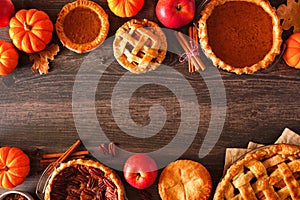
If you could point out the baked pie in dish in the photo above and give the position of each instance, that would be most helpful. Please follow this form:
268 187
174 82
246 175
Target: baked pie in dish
84 179
140 46
184 180
240 36
82 25
271 172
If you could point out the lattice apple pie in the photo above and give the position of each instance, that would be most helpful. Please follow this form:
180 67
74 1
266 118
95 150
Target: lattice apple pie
272 172
140 46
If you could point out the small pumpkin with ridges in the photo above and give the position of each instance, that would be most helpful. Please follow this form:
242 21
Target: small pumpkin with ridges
125 8
14 167
9 57
292 54
30 30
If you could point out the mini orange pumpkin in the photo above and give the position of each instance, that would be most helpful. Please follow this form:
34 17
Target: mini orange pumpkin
125 8
30 30
9 57
14 167
292 53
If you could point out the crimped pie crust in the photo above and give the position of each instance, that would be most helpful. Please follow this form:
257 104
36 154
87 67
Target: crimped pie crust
140 46
269 57
271 172
88 46
184 180
89 163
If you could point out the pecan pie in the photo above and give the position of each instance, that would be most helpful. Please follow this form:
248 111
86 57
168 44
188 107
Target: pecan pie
240 36
140 46
82 25
185 180
272 172
84 179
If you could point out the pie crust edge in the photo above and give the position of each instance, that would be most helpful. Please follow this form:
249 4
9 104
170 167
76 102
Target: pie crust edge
107 171
269 57
81 48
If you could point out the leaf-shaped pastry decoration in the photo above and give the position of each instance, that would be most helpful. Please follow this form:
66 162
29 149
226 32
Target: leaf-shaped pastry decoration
290 13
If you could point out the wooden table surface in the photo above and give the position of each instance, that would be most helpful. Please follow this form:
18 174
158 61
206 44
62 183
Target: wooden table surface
37 114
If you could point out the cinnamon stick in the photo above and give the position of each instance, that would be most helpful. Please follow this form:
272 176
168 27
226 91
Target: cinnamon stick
195 60
48 161
57 155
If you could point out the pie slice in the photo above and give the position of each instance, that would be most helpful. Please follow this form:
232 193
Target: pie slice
184 180
140 46
82 25
240 36
84 179
269 173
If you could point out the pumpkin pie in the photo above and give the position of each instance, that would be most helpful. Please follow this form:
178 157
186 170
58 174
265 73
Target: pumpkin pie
269 173
82 25
84 179
240 36
140 46
185 180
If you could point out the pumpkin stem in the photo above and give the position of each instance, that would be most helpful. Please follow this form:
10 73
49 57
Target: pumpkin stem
27 27
4 168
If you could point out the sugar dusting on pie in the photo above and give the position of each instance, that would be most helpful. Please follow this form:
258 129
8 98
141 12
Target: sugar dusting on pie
84 179
240 36
185 180
270 173
82 25
140 46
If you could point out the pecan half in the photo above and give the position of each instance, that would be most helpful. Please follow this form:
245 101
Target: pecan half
97 173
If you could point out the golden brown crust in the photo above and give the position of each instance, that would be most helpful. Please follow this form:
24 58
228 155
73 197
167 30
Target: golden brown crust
184 180
275 157
146 57
76 47
90 163
268 59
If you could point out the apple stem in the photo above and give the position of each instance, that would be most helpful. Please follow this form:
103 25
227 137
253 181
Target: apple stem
138 176
178 7
27 27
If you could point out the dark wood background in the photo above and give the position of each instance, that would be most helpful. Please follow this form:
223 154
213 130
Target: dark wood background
36 110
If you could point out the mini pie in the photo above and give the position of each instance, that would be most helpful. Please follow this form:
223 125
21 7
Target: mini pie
82 25
84 179
270 173
240 36
184 180
140 46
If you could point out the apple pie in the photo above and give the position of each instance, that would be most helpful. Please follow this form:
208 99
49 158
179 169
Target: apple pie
84 179
140 46
240 36
270 173
184 180
82 25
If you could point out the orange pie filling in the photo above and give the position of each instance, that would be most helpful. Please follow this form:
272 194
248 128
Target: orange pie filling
82 25
240 36
233 42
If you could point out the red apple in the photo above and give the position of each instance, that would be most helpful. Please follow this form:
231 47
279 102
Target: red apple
140 171
7 10
175 13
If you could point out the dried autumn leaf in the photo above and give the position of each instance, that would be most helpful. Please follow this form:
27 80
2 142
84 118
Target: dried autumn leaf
290 13
40 59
